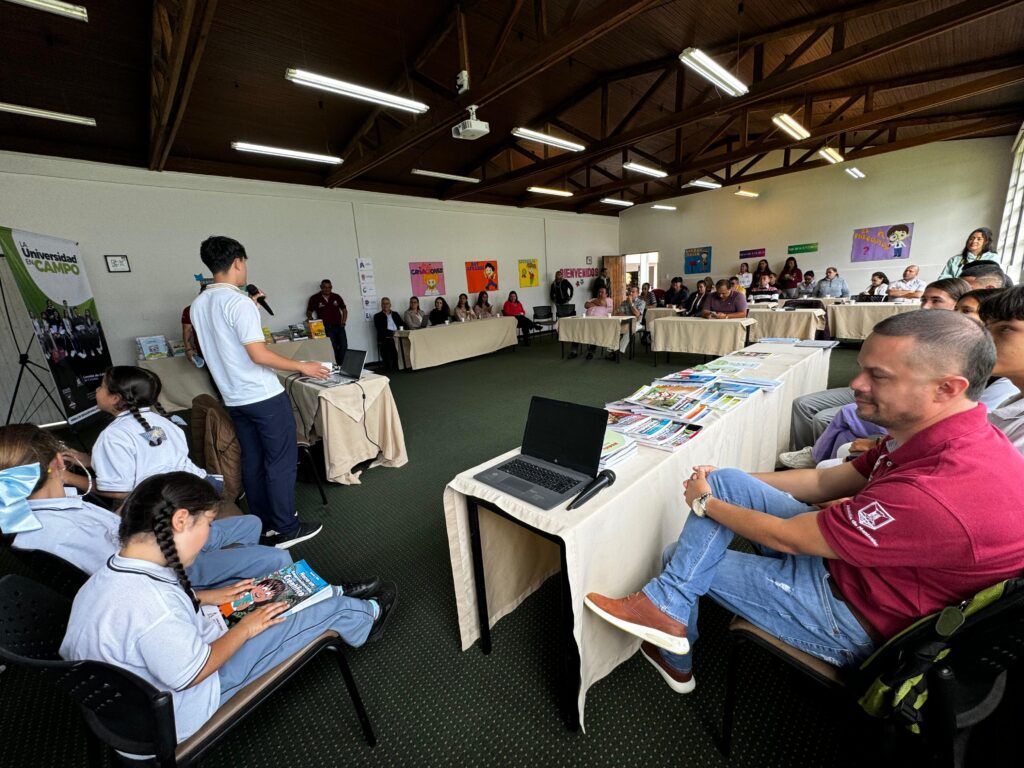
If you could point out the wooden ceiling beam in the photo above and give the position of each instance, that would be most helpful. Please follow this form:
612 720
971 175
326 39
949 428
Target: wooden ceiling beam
799 51
641 102
503 35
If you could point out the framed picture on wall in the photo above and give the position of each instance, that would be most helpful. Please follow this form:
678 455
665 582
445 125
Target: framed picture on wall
117 264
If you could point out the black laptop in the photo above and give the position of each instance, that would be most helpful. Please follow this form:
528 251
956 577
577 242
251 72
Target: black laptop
560 454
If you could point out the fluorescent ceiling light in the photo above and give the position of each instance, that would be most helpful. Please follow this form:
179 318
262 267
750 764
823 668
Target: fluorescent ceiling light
17 109
543 138
745 193
709 69
791 126
830 154
77 12
260 149
549 191
645 169
439 175
616 201
313 80
856 173
663 207
704 184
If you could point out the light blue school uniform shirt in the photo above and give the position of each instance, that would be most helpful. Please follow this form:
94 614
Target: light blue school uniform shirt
74 530
956 264
225 320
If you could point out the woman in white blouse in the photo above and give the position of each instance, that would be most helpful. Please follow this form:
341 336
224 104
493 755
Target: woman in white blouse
413 316
744 276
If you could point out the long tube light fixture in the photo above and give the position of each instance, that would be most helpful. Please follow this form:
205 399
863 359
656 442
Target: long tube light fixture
831 154
295 154
704 184
440 175
549 191
656 172
313 80
709 69
856 173
17 109
741 192
543 138
663 207
76 12
616 201
791 126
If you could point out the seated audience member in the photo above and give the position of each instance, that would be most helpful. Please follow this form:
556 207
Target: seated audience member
763 292
970 303
676 294
920 379
790 279
512 308
599 306
631 306
744 277
649 296
386 323
463 311
413 316
978 247
832 286
725 303
910 287
879 286
985 274
162 636
1002 312
695 303
763 269
944 294
807 286
440 314
734 284
483 309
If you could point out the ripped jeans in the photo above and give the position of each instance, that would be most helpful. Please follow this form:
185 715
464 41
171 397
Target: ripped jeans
785 595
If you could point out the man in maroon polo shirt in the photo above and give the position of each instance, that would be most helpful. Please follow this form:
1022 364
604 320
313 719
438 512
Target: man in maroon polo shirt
724 303
923 521
330 308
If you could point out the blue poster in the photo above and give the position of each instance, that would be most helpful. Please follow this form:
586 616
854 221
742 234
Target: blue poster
697 261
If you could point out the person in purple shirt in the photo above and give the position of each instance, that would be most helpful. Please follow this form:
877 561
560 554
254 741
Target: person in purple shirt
725 303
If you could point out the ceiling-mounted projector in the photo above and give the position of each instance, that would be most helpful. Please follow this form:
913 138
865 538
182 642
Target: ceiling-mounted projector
472 128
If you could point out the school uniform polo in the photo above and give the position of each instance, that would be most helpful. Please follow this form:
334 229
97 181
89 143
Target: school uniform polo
74 530
123 457
156 634
1008 418
940 518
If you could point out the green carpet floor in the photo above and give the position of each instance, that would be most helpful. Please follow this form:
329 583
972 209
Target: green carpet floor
433 704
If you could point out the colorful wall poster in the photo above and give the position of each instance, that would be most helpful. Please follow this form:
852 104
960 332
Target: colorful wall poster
529 273
51 278
801 248
427 278
882 243
481 276
697 261
753 253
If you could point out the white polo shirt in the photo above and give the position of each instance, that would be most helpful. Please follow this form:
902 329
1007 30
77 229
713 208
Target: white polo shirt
225 320
156 634
915 285
1008 418
122 456
74 530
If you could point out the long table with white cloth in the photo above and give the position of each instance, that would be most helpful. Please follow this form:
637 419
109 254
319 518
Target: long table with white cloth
603 332
855 321
612 544
440 344
786 324
698 335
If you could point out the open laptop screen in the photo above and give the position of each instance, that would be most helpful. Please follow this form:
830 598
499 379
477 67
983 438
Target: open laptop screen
566 434
352 364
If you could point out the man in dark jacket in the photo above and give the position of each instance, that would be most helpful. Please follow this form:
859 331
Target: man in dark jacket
387 322
676 294
600 282
561 290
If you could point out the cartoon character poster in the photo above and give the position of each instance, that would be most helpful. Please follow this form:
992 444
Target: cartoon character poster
529 273
481 276
882 243
697 261
427 278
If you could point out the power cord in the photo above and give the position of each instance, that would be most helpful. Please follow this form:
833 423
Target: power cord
365 428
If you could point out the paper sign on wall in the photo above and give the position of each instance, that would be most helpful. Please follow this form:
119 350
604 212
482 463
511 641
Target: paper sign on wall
427 278
882 243
529 273
753 253
367 287
579 275
481 276
802 248
697 261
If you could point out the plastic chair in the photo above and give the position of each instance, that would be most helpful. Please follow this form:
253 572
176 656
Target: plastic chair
125 712
565 310
542 316
56 572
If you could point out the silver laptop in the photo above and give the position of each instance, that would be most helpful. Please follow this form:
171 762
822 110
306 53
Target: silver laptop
560 454
351 370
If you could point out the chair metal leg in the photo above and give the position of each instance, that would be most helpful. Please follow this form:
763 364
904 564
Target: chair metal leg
357 701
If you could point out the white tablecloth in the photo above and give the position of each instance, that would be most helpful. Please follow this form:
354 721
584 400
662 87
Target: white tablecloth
779 324
600 331
855 321
440 344
613 543
699 336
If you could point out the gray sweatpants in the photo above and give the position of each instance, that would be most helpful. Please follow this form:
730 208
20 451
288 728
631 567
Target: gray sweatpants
813 413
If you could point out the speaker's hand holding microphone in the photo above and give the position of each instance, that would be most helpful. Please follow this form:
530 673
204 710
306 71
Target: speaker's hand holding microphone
259 297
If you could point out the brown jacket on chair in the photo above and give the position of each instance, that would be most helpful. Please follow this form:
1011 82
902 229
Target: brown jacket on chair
215 443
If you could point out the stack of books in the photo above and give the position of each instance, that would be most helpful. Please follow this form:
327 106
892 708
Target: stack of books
617 448
664 433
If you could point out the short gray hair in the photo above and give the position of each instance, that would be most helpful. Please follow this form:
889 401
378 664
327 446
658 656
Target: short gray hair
946 341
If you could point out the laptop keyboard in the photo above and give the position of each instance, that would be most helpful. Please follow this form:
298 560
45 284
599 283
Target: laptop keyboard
545 478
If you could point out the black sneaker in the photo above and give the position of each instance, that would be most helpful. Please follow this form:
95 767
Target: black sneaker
386 597
361 589
302 533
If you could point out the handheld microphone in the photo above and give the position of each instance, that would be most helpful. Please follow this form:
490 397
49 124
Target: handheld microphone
262 301
604 479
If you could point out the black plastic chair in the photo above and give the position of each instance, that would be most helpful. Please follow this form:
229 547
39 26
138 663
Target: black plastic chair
125 712
565 310
55 572
543 316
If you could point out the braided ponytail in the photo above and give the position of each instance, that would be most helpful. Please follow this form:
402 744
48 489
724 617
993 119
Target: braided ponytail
137 388
165 539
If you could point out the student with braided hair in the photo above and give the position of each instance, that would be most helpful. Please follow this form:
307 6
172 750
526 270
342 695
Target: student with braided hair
170 634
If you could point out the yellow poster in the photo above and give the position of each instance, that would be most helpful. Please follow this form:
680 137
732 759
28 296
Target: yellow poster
529 274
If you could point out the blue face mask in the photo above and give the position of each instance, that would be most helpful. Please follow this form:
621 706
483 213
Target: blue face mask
16 483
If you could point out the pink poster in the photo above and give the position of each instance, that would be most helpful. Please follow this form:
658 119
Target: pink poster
427 278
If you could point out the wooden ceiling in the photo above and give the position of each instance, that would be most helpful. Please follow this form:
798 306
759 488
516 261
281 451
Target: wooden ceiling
173 83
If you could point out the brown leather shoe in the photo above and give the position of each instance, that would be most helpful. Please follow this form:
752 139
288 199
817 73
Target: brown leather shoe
637 615
680 682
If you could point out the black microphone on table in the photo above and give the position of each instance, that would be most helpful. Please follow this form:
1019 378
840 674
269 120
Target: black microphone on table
253 291
604 479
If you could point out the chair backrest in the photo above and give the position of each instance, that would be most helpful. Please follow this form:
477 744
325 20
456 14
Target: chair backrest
123 710
55 572
566 310
542 312
659 292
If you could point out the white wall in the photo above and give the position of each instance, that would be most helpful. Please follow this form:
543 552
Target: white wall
946 190
294 235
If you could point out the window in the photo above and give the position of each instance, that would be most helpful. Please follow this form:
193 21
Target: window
1011 229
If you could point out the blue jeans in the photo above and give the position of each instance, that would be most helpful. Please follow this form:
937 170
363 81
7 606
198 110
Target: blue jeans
270 455
785 595
232 553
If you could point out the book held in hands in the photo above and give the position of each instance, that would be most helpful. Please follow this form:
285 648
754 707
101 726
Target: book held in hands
298 585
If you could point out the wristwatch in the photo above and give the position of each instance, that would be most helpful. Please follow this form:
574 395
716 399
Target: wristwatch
700 504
